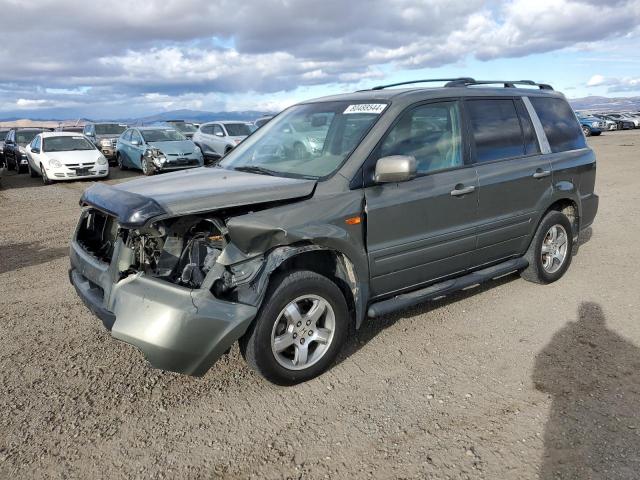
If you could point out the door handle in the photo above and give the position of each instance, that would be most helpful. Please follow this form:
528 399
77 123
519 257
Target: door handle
457 192
541 173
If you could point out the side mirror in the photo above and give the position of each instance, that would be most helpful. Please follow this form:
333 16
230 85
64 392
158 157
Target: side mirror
395 168
35 150
219 134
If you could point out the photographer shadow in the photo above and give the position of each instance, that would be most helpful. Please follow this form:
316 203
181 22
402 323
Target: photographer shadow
592 375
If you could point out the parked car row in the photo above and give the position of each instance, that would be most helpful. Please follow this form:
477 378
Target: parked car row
608 121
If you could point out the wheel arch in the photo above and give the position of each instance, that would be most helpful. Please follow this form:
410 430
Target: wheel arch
326 261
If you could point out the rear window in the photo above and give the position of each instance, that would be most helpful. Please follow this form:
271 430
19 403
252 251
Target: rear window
237 129
496 129
559 122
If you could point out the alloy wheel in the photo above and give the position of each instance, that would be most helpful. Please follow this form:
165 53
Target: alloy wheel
303 332
554 249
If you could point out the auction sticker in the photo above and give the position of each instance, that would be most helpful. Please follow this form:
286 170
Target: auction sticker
376 108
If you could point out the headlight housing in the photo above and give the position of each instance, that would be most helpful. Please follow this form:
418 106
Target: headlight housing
244 272
105 142
156 156
22 149
53 163
102 160
594 124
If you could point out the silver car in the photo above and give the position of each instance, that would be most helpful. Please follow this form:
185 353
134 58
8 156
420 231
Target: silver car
216 139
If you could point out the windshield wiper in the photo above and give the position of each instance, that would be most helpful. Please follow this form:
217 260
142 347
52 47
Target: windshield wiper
256 169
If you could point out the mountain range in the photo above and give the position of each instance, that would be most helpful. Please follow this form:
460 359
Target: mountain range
199 116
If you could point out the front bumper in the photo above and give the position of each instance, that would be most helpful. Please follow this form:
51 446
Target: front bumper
108 151
65 173
176 328
179 165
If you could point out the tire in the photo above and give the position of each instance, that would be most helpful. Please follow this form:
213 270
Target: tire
146 168
306 290
32 172
586 130
546 268
45 177
120 162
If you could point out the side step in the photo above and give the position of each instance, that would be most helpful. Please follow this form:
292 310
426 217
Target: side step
438 290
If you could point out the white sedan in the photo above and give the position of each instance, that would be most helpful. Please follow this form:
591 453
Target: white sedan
65 156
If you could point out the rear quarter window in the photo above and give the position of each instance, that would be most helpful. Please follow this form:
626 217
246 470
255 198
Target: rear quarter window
559 123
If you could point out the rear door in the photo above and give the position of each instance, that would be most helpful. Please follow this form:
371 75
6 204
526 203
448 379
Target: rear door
514 177
421 230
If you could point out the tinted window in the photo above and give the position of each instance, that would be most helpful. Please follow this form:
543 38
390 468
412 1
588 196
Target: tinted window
559 123
496 129
530 140
24 137
164 135
237 129
431 134
110 129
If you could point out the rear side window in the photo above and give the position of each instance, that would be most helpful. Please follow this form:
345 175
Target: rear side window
496 129
559 123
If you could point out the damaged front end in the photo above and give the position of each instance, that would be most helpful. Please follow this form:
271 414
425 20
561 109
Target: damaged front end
162 287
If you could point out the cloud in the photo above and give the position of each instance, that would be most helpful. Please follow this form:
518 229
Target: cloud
613 84
121 52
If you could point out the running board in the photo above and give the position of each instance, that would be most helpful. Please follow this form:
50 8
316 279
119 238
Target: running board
442 289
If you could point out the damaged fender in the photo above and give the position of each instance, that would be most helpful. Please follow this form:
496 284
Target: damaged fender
280 234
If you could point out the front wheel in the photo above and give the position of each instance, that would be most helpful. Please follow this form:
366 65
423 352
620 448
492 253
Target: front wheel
586 130
549 254
120 162
45 177
302 325
147 169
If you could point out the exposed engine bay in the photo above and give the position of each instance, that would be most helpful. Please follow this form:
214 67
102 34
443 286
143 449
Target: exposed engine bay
181 251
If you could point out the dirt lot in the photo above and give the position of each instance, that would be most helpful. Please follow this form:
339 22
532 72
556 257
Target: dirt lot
511 380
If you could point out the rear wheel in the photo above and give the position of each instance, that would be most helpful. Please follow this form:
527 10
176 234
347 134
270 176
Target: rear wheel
302 325
549 254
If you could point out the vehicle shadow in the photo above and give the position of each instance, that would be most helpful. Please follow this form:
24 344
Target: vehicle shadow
592 375
21 255
372 327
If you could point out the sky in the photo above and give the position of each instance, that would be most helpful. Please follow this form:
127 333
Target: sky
126 59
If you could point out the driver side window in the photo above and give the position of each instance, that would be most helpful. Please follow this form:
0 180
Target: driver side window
431 134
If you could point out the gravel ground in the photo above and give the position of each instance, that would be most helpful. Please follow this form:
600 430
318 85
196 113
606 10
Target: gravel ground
510 380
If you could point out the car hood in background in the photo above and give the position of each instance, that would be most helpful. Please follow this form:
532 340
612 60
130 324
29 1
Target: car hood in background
196 190
75 156
181 147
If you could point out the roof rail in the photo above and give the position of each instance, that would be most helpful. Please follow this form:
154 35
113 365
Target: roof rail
465 82
427 80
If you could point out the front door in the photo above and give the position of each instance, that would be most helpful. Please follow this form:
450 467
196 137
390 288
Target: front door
423 229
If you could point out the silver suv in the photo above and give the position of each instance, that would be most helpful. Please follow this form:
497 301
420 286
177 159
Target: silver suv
216 139
409 195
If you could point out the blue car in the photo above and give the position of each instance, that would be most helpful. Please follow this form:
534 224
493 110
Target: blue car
590 125
156 149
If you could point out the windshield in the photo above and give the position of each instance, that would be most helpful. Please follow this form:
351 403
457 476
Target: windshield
110 129
310 141
3 134
237 129
162 135
66 144
24 137
184 127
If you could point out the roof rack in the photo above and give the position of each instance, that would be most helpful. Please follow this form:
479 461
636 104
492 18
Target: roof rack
465 82
450 80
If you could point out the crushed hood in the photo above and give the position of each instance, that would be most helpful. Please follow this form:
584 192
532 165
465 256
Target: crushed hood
190 191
